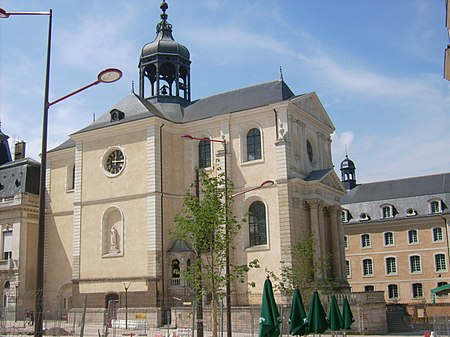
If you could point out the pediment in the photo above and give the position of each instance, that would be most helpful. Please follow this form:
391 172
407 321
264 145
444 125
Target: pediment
325 177
332 180
311 105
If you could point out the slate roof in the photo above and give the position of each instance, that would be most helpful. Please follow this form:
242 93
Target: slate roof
135 107
66 145
19 176
180 246
238 100
401 188
317 174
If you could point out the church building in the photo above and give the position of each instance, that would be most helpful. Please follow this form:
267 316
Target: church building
115 186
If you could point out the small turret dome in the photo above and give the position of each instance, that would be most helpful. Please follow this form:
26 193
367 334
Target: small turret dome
348 175
347 163
165 44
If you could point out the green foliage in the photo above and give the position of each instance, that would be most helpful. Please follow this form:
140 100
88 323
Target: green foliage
300 274
208 225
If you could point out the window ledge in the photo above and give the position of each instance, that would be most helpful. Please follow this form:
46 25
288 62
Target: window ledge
257 248
252 162
109 256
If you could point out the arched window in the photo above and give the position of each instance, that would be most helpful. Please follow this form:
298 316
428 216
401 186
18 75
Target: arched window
437 234
440 263
72 185
175 268
253 144
417 290
309 151
391 266
112 304
413 236
415 264
365 241
435 206
389 239
257 224
387 211
367 267
188 265
204 153
392 291
369 288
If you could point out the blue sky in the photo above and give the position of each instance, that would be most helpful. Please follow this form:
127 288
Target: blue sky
377 67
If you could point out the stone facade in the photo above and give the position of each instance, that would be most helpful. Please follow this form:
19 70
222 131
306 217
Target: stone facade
396 236
115 186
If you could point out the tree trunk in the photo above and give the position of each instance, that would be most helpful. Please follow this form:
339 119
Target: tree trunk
214 316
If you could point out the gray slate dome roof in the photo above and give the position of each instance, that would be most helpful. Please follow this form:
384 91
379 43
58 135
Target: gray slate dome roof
164 42
347 163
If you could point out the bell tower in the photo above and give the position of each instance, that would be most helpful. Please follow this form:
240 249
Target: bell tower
348 175
164 66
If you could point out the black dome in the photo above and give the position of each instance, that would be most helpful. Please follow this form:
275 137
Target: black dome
165 44
347 163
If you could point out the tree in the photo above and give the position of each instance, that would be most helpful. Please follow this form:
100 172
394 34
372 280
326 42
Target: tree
300 273
207 223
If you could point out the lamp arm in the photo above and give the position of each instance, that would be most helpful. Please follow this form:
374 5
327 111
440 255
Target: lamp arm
49 104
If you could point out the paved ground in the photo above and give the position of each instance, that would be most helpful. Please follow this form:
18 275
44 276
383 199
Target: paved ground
97 331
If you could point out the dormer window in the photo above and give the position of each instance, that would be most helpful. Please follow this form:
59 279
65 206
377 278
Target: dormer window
345 216
411 212
364 217
435 206
116 115
387 211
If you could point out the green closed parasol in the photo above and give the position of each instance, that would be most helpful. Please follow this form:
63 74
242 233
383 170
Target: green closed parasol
298 322
269 320
335 321
317 318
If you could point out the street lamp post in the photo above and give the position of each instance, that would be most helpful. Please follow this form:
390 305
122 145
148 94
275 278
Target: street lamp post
126 303
17 300
265 183
106 76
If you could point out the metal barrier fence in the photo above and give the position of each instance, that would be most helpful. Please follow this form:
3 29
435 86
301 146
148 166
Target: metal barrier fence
441 326
172 319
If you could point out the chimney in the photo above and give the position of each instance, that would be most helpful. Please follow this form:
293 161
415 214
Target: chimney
19 150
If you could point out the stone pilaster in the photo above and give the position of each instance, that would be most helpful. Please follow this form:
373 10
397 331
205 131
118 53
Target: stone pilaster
286 227
76 239
154 225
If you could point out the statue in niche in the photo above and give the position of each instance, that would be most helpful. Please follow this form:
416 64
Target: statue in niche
114 241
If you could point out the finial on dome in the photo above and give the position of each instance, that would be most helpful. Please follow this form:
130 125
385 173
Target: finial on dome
164 25
164 6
